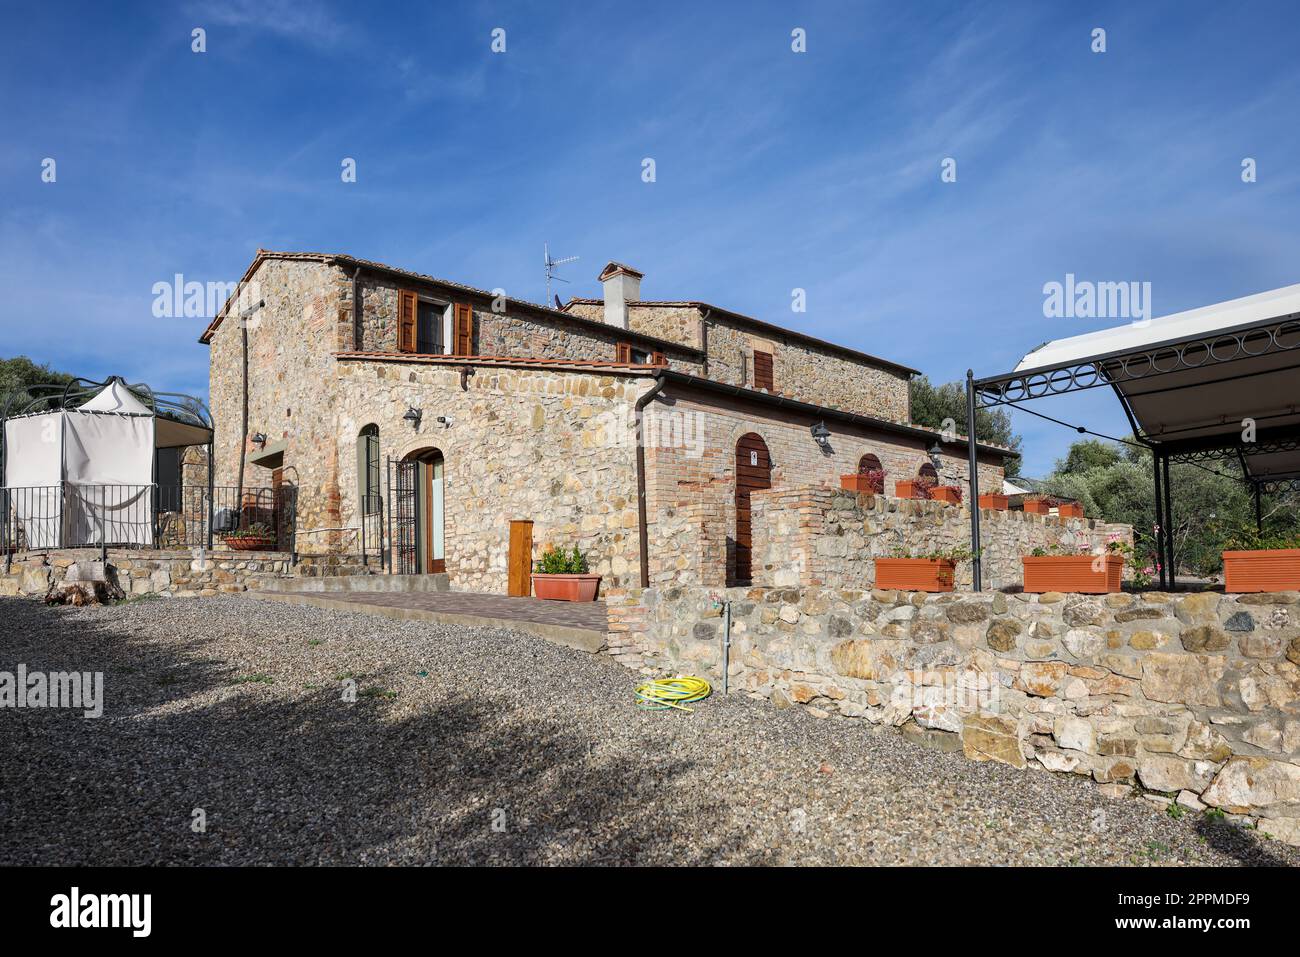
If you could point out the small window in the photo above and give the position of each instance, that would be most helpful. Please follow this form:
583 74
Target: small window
763 371
428 329
368 469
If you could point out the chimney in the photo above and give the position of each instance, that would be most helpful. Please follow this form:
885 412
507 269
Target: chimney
622 285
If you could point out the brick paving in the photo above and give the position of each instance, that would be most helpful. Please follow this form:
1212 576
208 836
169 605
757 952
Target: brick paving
569 614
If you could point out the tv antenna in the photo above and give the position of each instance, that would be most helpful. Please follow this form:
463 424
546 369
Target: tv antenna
550 269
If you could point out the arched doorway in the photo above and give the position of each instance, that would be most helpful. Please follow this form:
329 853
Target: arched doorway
869 463
928 471
753 473
423 547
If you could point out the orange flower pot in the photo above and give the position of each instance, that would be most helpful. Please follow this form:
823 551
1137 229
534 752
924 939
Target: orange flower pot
249 544
946 493
860 483
910 489
566 587
1070 510
1037 508
915 574
996 502
1268 569
1084 574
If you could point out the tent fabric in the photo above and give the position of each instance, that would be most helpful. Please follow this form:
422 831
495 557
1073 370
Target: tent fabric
85 475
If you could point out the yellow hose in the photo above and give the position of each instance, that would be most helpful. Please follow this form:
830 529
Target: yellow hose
671 693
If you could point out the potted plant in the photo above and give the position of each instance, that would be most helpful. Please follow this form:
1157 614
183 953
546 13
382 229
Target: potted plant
994 501
1253 562
1037 504
931 572
870 482
918 487
1053 569
1070 510
252 538
564 576
946 493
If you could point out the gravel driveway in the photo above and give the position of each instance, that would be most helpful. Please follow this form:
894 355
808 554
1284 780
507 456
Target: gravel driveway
489 746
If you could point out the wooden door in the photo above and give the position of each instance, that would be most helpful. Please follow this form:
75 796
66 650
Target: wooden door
753 472
521 559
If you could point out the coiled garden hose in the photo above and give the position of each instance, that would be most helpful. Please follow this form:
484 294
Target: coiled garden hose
668 693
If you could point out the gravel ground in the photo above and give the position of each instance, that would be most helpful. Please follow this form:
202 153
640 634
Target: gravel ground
489 746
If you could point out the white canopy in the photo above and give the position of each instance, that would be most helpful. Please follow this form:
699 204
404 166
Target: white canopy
1199 376
86 475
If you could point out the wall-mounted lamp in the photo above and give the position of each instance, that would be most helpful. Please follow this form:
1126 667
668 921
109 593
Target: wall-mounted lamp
413 415
935 453
821 434
259 438
444 421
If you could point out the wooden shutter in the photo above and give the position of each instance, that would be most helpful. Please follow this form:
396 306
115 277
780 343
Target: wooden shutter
463 330
657 358
408 305
623 353
763 371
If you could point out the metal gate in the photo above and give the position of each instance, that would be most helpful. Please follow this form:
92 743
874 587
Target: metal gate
403 515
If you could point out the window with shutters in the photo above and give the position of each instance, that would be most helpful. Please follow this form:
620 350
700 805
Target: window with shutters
763 371
626 352
368 469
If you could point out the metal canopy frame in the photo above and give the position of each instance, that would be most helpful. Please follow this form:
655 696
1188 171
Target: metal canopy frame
1219 350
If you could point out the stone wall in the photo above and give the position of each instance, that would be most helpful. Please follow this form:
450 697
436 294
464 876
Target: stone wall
180 573
521 443
1194 697
691 440
819 535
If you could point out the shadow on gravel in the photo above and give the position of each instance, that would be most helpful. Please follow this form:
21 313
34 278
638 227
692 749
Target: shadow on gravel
307 780
1237 843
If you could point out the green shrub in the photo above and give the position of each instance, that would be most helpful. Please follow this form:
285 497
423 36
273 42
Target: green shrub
556 561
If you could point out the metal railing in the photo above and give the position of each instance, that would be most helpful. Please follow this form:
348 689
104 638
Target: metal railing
73 515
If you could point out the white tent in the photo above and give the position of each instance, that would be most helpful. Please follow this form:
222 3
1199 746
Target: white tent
85 476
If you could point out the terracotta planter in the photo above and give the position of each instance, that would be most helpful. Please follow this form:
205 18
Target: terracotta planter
860 483
910 489
997 502
1070 510
946 493
1268 569
249 544
566 587
1083 574
1037 508
915 574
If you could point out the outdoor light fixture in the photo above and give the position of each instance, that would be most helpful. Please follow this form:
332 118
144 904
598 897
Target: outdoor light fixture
934 454
413 415
259 438
821 434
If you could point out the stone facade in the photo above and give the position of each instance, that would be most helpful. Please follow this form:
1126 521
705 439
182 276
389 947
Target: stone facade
817 535
1194 697
177 574
535 424
691 471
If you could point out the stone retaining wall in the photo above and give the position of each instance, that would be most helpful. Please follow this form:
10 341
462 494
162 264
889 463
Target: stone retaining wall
817 534
1194 697
182 574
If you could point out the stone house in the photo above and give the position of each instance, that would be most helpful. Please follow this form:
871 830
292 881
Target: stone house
433 415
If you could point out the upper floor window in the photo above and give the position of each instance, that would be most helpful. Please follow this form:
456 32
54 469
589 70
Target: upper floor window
428 328
626 352
763 378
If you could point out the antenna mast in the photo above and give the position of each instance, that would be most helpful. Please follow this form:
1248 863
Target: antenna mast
550 269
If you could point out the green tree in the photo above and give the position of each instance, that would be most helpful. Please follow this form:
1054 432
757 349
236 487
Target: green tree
1210 503
932 404
17 374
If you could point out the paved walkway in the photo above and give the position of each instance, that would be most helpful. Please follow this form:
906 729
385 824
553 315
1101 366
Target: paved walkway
578 624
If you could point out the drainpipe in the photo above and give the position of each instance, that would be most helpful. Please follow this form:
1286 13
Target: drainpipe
243 429
641 403
726 642
357 329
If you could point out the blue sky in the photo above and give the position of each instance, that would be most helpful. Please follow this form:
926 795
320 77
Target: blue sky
775 170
